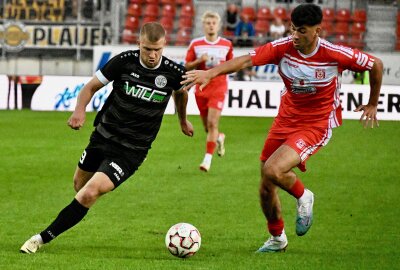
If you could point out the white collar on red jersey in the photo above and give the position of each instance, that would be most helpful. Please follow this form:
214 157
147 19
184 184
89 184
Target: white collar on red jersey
313 52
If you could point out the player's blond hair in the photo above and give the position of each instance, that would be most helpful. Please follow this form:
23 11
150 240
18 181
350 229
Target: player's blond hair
211 14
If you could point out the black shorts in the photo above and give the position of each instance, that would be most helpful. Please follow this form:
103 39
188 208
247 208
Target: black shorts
116 161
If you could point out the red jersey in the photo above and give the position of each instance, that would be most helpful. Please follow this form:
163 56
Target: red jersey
218 52
312 82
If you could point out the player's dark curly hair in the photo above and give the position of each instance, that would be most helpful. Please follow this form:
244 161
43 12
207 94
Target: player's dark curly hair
306 14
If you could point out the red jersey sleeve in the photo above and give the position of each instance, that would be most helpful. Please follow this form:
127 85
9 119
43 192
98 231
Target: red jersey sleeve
356 61
190 54
270 53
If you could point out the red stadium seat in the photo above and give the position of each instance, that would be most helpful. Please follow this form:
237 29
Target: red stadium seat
136 2
342 39
328 14
357 28
167 2
262 27
151 10
187 11
134 10
132 23
359 15
250 12
183 37
183 2
151 2
357 41
264 13
185 22
328 26
168 23
168 11
397 48
147 19
128 37
280 12
341 28
343 15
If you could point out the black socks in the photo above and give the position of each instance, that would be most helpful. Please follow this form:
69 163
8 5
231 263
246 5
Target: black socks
66 219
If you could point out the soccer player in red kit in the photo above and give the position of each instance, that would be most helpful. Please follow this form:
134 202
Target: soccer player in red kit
310 107
205 53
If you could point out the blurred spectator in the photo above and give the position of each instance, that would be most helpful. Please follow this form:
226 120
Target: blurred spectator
244 32
277 29
245 74
231 18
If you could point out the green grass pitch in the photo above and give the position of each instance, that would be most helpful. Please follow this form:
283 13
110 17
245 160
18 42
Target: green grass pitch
355 178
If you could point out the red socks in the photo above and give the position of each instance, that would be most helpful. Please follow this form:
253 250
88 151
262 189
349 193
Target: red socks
275 227
211 147
297 189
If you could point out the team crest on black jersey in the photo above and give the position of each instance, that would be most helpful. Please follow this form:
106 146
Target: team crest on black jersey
160 81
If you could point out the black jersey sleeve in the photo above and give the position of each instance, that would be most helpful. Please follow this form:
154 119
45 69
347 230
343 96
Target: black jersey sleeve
178 78
113 68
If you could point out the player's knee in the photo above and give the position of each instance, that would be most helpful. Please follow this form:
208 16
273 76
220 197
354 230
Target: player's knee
271 173
89 195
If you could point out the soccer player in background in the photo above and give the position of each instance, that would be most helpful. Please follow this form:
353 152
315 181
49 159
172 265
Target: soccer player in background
125 128
204 53
310 108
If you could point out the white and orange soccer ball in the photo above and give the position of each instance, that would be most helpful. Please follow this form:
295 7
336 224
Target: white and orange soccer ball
183 240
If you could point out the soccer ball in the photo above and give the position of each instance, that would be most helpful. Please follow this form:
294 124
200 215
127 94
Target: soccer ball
183 240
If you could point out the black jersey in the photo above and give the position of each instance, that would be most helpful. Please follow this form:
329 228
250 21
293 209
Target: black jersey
133 112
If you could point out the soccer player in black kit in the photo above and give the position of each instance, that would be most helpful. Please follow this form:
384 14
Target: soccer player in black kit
126 126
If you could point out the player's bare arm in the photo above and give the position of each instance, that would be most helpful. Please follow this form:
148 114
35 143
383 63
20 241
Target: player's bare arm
77 118
370 110
203 77
195 63
181 98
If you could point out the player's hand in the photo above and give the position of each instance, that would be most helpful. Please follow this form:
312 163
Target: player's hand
204 57
369 115
194 77
187 128
76 120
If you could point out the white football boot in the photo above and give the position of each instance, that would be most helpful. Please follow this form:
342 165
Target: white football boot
304 217
206 164
221 145
32 244
275 244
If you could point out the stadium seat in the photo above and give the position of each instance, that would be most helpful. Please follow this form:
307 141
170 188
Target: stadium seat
264 13
328 14
262 27
343 15
359 15
132 23
151 10
168 23
167 2
151 2
342 39
168 10
249 11
134 10
357 41
187 11
397 48
128 37
139 2
183 37
183 2
341 28
280 12
185 22
357 28
328 26
147 19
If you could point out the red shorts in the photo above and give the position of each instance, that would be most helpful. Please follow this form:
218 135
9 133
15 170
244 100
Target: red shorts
305 141
212 96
